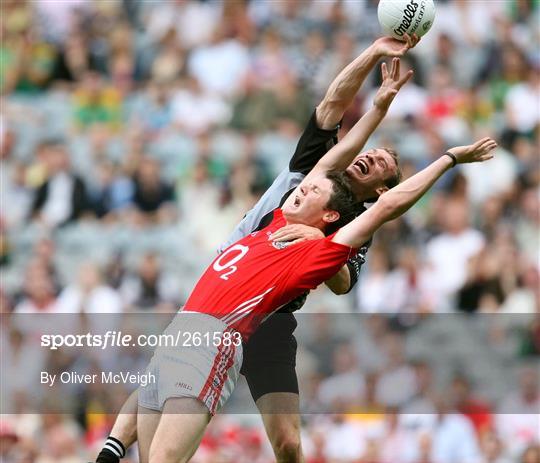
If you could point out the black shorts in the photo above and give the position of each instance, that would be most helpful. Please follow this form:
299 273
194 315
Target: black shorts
269 363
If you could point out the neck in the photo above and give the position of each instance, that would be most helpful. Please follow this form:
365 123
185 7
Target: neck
294 221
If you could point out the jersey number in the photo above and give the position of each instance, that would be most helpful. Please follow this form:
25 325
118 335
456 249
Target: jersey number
225 262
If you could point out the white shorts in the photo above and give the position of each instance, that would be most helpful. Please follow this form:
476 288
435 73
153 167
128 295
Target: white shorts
206 370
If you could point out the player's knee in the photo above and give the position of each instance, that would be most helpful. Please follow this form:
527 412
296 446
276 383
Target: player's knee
289 451
287 448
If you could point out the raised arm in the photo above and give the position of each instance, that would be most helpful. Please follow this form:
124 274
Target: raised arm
399 199
345 86
342 154
321 132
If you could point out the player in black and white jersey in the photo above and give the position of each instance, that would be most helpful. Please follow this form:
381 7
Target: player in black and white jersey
270 356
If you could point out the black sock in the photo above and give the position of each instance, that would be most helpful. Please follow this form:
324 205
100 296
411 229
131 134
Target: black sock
112 451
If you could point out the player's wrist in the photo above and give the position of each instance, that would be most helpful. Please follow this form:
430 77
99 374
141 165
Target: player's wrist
380 109
451 158
376 51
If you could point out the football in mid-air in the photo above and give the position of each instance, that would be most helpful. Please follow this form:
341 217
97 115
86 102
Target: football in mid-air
399 17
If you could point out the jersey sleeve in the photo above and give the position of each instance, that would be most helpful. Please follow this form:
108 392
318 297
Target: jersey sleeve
355 263
312 146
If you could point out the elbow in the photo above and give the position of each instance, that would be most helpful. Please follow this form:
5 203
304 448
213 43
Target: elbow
340 289
341 282
386 208
330 112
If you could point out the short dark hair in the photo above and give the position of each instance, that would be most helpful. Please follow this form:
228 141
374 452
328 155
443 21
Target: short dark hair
395 178
342 200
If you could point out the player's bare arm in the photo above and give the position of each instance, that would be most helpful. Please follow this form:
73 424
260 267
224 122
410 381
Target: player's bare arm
347 83
398 200
340 283
342 154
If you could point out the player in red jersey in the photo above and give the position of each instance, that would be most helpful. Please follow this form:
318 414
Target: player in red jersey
251 280
253 277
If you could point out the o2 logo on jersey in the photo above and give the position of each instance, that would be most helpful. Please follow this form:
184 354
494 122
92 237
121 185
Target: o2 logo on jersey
227 260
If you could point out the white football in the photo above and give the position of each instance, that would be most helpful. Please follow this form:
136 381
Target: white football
399 17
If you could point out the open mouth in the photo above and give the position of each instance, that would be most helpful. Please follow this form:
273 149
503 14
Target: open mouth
296 201
362 165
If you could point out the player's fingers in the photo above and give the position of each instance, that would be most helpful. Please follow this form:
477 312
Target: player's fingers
407 38
396 72
394 68
277 234
279 238
384 71
480 142
405 78
487 145
479 146
287 236
411 41
391 70
476 145
299 240
486 149
489 149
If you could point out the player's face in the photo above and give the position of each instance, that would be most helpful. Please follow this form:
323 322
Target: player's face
308 204
368 172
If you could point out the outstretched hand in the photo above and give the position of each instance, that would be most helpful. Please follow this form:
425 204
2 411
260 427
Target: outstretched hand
477 152
391 84
388 46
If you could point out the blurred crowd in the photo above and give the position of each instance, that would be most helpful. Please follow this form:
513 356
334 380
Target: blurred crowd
134 135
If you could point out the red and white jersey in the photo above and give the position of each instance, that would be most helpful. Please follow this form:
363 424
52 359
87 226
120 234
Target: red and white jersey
254 277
